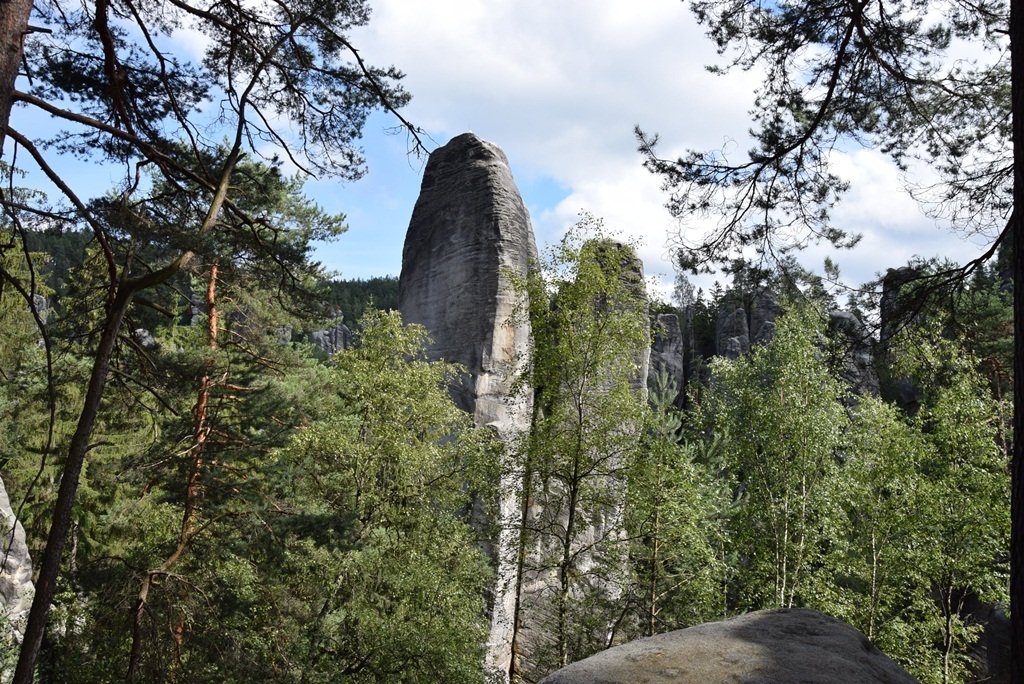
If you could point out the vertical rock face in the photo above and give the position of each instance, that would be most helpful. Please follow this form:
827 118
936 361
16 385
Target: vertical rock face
858 362
469 233
732 335
333 339
668 353
16 589
739 325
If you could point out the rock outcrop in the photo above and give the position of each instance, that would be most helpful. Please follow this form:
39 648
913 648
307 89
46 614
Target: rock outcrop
765 647
668 353
332 339
470 233
857 366
745 321
16 588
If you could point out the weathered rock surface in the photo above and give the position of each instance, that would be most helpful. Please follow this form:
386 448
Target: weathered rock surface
668 352
469 233
857 368
741 323
16 589
332 339
766 647
732 334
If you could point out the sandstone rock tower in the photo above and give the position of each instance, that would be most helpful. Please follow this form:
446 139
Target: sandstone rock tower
469 232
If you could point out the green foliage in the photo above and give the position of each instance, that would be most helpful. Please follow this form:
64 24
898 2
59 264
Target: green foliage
780 417
588 316
895 524
353 297
675 521
397 580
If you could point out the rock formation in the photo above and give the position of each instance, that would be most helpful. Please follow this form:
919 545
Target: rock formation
668 353
857 367
742 323
332 339
469 234
573 557
732 334
16 589
764 647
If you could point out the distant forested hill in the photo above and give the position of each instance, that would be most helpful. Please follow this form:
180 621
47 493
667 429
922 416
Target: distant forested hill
352 297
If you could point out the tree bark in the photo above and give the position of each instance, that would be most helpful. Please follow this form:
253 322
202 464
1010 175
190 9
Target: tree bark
193 489
13 27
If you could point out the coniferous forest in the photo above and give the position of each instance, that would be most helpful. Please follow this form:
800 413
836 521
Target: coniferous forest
210 494
249 510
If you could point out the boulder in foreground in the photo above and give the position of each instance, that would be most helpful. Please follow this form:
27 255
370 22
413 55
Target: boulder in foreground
765 647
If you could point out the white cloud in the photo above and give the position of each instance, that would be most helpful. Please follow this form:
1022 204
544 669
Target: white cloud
560 85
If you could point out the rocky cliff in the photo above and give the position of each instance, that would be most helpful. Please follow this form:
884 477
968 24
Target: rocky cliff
469 234
16 589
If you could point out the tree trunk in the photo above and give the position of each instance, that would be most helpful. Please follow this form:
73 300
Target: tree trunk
46 584
13 26
193 489
1017 462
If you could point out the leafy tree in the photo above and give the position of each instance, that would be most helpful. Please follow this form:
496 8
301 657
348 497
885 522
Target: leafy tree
780 417
102 70
385 582
675 522
588 316
874 73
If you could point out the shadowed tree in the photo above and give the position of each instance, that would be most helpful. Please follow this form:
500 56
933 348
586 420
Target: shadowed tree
272 79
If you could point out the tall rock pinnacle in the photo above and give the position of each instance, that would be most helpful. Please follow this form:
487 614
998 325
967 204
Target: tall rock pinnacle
469 232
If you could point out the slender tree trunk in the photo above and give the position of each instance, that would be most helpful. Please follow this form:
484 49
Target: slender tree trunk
514 674
565 566
46 583
193 488
14 16
1017 463
652 589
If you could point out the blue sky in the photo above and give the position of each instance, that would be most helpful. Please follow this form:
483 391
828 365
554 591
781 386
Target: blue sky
559 86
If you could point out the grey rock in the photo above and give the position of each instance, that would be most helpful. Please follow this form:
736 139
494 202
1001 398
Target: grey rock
745 321
766 647
333 339
732 333
42 306
764 309
145 339
16 588
469 236
893 311
668 352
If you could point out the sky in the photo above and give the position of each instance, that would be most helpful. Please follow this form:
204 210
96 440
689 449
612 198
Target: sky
559 87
